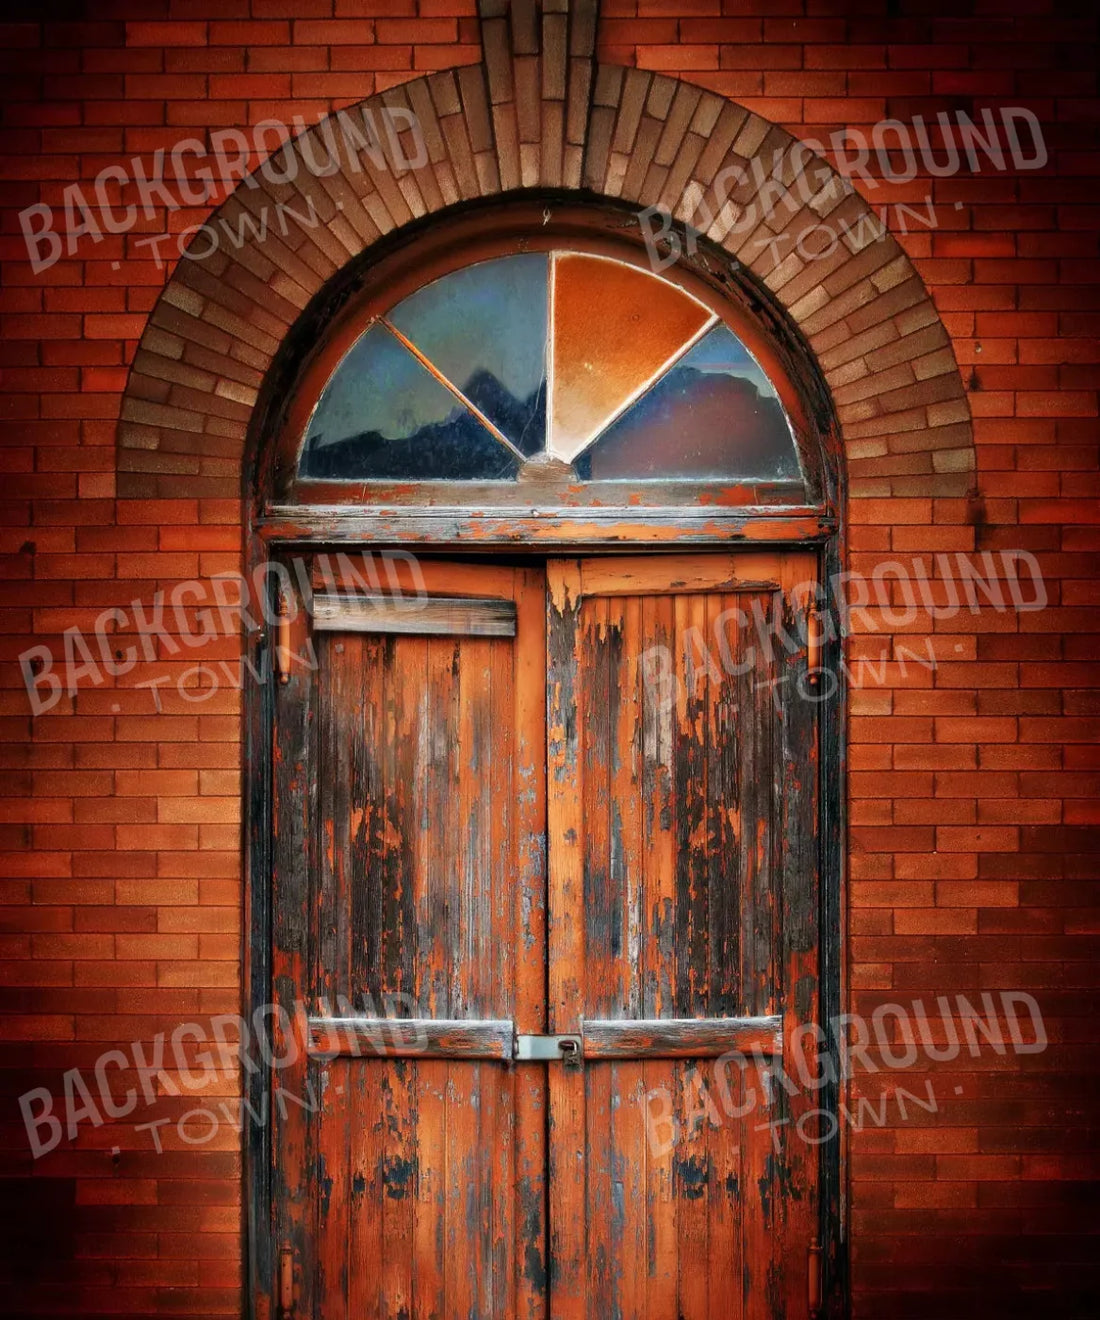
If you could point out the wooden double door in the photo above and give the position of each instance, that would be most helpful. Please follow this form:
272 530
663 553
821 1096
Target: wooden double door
545 849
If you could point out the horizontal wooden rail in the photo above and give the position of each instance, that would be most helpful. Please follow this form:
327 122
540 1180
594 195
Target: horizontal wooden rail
440 616
681 1038
495 1038
412 1038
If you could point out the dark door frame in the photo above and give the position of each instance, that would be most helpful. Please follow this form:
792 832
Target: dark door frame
261 1263
282 524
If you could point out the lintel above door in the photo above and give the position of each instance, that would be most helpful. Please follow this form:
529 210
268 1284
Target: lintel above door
541 530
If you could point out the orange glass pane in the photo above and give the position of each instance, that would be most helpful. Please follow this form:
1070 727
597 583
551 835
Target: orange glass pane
614 329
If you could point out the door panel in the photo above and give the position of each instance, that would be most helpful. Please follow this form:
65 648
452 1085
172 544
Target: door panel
575 800
683 879
421 784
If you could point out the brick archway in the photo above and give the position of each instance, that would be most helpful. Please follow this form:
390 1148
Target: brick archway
540 112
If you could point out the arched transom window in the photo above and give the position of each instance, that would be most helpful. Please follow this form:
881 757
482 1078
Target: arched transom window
517 366
552 359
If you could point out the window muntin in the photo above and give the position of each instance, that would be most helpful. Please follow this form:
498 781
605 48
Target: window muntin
615 330
582 361
484 328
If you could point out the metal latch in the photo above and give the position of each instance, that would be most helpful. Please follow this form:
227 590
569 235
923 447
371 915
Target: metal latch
286 1284
562 1049
813 1284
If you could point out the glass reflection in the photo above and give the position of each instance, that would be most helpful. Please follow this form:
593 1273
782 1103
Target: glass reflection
484 328
712 416
384 416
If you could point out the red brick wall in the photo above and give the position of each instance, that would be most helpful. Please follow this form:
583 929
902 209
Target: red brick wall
972 790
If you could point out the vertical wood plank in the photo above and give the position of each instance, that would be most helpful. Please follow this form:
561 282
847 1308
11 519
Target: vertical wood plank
365 1243
565 941
755 770
441 824
403 689
692 920
498 1113
427 1077
662 954
431 1131
464 1154
629 1153
798 869
365 1163
595 695
294 814
724 1263
529 926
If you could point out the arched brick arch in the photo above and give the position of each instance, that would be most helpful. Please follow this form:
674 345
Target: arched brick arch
539 111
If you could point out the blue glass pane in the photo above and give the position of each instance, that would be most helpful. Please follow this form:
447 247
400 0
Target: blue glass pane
484 328
713 416
384 416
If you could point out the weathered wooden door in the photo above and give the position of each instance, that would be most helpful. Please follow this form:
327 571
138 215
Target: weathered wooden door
409 897
682 924
573 800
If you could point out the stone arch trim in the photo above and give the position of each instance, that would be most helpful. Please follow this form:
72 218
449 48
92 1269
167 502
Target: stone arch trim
540 112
